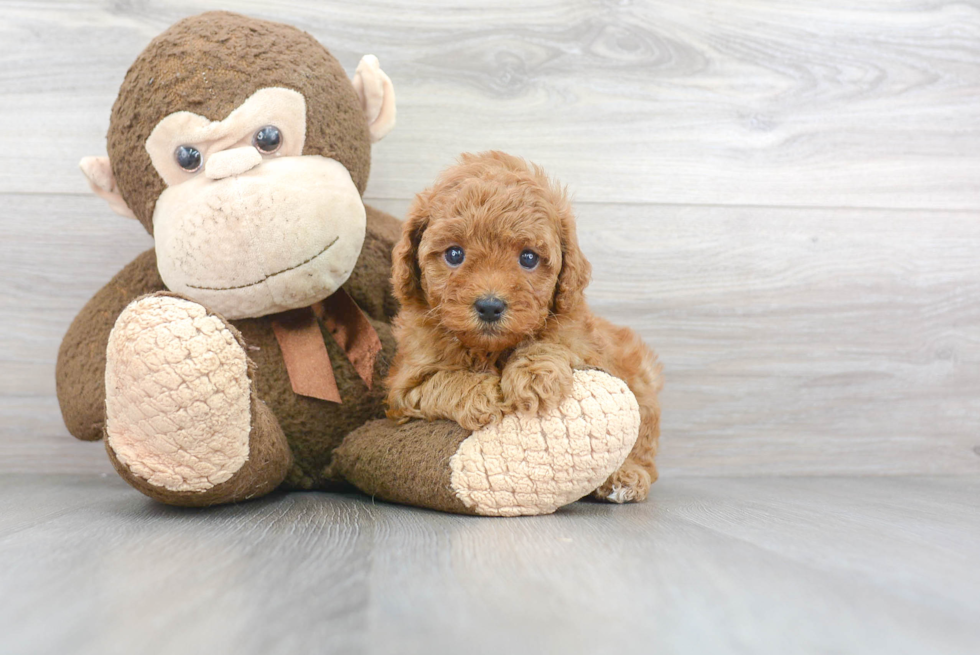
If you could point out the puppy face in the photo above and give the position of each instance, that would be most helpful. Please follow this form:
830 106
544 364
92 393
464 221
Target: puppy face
490 274
489 252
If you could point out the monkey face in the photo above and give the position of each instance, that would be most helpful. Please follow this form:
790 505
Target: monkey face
243 147
247 224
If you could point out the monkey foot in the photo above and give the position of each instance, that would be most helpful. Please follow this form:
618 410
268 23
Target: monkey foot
526 464
179 406
534 464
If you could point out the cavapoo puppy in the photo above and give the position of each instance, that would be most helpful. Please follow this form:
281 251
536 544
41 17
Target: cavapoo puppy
490 279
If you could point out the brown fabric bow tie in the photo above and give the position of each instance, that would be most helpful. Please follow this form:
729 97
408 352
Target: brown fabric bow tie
305 353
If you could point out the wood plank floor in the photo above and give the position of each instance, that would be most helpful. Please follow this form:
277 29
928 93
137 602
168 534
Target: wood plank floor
830 104
709 565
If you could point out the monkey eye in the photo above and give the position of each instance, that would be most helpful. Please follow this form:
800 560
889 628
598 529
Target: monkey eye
454 256
268 139
188 158
529 259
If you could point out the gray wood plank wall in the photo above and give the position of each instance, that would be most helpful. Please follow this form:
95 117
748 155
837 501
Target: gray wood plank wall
783 198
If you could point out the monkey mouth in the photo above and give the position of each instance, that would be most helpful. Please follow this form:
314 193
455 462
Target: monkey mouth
270 275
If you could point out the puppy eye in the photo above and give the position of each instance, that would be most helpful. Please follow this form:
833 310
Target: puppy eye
454 256
529 259
268 139
188 158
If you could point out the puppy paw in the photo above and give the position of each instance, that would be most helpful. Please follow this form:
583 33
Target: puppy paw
483 406
401 414
630 484
530 384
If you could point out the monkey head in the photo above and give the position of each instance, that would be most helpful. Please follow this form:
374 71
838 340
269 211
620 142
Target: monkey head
244 149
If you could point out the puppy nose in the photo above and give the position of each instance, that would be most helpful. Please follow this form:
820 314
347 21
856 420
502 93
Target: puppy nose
490 308
232 162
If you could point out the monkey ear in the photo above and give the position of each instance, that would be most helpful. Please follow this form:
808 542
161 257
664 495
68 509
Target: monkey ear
406 273
377 96
98 171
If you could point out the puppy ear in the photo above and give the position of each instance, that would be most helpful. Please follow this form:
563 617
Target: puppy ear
406 274
576 272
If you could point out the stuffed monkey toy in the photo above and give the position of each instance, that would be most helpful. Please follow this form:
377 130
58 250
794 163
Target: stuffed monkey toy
246 351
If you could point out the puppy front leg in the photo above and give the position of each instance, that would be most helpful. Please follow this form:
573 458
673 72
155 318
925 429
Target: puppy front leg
537 377
471 399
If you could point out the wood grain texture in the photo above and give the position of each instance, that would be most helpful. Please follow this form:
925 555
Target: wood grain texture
796 341
821 565
808 339
828 104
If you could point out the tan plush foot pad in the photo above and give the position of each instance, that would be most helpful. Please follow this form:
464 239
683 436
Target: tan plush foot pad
534 464
177 395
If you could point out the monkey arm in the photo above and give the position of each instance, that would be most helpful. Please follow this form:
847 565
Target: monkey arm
370 283
80 373
384 225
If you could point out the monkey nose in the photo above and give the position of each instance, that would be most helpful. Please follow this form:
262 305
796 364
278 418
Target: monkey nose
232 162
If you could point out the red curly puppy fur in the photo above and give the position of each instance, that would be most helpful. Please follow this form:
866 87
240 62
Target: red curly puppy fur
486 328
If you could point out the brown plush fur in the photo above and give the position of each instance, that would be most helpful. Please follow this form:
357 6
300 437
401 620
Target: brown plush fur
406 464
451 365
209 64
313 428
